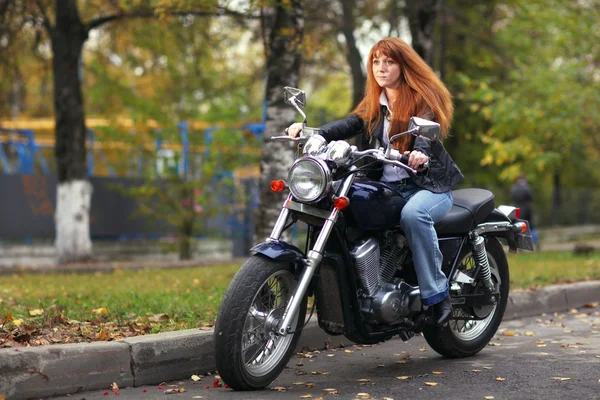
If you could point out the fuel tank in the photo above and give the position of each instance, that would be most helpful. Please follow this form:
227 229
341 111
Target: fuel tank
374 205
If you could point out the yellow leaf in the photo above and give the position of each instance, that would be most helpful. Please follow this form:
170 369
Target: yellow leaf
348 351
332 391
529 333
17 322
510 333
363 395
99 311
437 372
431 383
196 378
330 355
558 378
403 377
500 379
279 388
35 312
306 396
488 397
363 380
476 370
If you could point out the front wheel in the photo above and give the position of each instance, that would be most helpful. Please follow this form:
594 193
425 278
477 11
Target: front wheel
248 353
464 336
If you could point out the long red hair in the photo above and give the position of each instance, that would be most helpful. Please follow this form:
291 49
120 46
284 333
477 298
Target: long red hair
422 93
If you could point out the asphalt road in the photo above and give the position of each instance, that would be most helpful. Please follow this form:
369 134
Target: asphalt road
546 357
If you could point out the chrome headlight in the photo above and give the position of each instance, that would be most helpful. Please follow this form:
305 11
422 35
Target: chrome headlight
309 179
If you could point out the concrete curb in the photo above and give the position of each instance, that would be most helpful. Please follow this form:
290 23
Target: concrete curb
34 372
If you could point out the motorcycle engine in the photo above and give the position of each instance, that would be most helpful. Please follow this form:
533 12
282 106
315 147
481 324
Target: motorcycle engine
384 300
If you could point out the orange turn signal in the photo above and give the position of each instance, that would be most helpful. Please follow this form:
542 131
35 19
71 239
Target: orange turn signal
341 202
524 227
278 185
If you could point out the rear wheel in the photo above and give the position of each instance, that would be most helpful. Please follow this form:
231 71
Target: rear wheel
248 353
476 327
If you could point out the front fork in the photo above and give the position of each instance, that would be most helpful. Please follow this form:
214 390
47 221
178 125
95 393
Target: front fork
312 260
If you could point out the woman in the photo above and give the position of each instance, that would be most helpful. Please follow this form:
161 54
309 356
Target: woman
401 85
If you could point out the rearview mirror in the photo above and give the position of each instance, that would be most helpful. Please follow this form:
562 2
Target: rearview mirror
294 96
426 129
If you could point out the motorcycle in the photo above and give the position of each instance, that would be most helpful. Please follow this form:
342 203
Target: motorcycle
357 265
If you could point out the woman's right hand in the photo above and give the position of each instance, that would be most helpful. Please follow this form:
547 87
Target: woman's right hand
294 129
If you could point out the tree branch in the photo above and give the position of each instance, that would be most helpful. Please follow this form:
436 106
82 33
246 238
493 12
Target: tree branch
45 20
150 13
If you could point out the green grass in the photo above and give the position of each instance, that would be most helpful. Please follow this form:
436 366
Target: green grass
538 269
155 300
190 297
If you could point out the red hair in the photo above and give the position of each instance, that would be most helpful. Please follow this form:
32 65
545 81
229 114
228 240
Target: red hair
422 93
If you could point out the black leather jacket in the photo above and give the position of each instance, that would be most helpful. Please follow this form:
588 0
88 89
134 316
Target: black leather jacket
441 176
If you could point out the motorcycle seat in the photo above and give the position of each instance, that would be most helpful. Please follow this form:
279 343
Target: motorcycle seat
470 207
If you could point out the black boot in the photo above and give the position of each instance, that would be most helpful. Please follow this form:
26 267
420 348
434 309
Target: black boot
442 311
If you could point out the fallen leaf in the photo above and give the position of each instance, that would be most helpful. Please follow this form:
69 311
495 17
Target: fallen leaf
493 344
475 370
543 354
158 317
559 378
509 333
175 390
431 383
114 386
298 383
500 379
35 312
279 388
330 355
306 396
363 395
401 362
17 322
363 380
437 372
332 391
529 333
488 397
403 377
348 351
320 373
591 305
487 367
196 378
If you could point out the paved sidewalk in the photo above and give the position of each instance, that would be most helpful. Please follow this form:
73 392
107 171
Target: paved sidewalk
34 372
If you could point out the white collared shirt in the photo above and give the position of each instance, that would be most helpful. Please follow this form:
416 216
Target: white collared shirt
391 173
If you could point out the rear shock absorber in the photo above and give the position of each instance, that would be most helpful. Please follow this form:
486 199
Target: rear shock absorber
480 256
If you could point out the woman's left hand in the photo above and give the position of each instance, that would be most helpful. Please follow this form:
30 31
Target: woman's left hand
416 159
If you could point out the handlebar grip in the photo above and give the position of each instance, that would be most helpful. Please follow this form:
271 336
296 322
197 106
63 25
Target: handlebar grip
404 160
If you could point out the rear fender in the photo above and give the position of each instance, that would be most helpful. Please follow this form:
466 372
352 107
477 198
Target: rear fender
512 238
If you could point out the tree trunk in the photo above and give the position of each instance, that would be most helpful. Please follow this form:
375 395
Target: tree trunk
283 69
421 18
74 192
352 54
556 200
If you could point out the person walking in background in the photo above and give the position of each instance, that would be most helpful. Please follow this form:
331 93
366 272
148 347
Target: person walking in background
522 197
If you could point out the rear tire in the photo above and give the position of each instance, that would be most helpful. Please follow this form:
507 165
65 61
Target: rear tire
248 353
466 338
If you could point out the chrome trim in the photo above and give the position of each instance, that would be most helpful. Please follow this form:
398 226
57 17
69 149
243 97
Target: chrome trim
326 173
492 227
306 209
281 220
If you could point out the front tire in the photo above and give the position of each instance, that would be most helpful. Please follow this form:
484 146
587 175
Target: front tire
460 338
248 353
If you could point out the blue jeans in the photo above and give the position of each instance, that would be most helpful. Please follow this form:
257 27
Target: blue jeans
422 210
